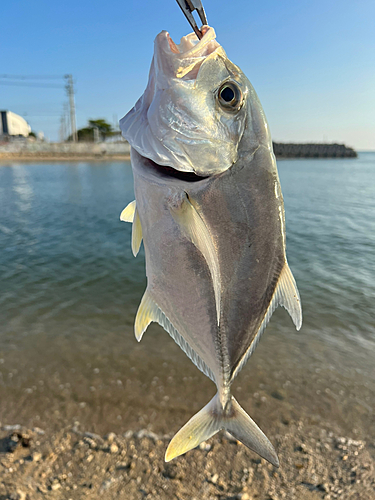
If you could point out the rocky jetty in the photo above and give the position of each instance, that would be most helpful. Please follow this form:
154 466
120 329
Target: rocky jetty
284 150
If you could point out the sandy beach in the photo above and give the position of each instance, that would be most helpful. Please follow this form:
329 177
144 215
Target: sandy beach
317 462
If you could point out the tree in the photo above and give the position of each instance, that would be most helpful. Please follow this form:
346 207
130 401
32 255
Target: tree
98 129
105 129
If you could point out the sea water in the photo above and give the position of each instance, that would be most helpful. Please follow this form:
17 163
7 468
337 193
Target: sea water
70 287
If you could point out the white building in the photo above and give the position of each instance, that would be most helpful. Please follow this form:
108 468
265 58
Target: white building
12 124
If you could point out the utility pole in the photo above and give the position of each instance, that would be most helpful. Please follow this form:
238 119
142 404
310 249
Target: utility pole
62 129
64 123
70 91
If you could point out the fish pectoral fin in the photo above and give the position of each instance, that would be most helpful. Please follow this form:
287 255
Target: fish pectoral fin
287 295
127 215
210 420
146 314
136 234
196 230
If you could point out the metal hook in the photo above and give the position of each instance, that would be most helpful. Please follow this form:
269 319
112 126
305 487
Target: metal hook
188 7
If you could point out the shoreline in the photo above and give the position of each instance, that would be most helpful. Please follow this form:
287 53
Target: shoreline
100 158
29 152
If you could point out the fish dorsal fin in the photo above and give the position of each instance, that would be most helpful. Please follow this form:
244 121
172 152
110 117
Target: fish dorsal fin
286 294
127 215
136 234
197 232
149 312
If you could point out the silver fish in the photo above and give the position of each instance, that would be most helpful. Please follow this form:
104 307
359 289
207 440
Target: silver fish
209 208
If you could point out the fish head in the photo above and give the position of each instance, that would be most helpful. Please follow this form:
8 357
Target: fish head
199 112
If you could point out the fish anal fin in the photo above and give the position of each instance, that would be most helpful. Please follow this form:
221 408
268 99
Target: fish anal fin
127 215
211 419
136 234
165 323
146 314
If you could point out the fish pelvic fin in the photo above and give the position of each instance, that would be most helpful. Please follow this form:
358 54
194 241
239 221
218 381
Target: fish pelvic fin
196 230
211 419
127 215
136 234
286 295
130 214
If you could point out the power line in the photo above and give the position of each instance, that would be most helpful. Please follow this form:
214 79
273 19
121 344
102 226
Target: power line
69 87
33 77
41 114
39 85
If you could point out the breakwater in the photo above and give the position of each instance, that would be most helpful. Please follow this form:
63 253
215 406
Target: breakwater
68 151
285 150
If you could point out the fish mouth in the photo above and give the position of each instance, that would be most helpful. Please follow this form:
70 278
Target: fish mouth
184 60
190 46
166 171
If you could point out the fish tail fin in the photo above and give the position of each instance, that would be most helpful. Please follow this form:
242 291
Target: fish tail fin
211 419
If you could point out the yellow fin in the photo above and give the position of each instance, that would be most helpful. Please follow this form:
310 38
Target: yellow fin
287 296
136 234
127 215
146 314
196 230
211 419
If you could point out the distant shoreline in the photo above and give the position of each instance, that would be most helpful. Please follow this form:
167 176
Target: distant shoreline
57 152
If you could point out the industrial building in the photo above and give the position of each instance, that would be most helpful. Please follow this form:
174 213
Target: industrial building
13 125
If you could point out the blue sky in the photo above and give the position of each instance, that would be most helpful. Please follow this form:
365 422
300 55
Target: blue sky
311 63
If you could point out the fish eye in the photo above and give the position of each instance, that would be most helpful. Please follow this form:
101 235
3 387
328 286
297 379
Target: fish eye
230 96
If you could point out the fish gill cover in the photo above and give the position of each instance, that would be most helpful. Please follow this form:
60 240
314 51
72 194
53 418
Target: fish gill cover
177 121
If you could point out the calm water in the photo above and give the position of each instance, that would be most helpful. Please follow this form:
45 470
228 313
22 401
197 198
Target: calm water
69 289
